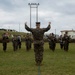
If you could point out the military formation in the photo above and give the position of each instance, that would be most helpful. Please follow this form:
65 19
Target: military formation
38 41
65 41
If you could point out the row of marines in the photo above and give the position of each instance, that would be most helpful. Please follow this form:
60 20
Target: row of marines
64 41
38 34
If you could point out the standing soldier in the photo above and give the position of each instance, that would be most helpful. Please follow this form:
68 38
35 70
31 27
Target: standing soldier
15 43
52 41
5 40
66 39
28 41
19 41
61 41
38 34
49 40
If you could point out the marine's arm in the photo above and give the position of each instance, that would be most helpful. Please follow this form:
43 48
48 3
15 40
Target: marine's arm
27 28
48 27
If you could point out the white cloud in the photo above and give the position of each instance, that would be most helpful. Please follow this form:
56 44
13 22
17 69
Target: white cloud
6 16
61 13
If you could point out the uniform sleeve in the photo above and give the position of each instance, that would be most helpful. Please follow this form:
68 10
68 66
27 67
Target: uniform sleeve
27 28
46 29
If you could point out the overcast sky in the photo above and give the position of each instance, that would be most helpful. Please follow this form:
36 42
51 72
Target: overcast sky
61 14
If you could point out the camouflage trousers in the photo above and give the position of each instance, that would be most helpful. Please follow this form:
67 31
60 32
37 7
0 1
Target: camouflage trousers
28 45
15 45
66 45
4 46
38 49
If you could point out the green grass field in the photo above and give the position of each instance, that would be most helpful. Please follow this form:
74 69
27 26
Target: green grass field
22 62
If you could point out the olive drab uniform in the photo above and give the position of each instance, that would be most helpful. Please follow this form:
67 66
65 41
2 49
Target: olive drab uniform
28 41
61 42
5 40
19 41
38 42
66 39
15 43
52 41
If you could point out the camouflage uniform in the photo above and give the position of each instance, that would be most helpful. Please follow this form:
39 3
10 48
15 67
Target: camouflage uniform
61 42
19 41
38 42
5 40
28 41
66 39
52 41
15 43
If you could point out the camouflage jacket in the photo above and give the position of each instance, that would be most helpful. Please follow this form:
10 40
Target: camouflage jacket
37 33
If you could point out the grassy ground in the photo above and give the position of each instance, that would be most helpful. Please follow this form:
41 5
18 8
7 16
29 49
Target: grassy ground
22 62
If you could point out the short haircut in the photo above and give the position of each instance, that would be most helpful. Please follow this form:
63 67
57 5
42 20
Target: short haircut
37 22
